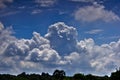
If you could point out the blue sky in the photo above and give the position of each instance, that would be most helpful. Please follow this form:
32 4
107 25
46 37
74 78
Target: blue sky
28 16
85 22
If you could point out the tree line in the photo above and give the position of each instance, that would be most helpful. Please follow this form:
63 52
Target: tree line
59 75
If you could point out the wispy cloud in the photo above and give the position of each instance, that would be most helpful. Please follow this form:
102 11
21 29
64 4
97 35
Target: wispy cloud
36 11
8 13
89 1
21 7
3 3
109 37
45 3
94 31
83 0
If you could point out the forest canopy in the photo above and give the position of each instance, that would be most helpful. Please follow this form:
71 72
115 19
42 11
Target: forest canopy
59 75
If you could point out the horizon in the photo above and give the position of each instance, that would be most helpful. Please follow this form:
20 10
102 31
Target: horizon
71 35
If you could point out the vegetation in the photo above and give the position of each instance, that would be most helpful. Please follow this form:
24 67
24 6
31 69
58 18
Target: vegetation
59 75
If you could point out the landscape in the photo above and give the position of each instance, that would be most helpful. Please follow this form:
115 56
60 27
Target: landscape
59 75
59 39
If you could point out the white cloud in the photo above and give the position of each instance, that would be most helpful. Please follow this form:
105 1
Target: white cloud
103 58
1 26
36 11
21 7
5 37
3 3
45 55
89 1
25 51
39 40
109 37
94 31
72 58
94 13
38 53
83 0
45 3
8 13
18 47
60 34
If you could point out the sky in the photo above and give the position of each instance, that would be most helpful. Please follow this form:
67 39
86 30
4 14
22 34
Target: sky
77 36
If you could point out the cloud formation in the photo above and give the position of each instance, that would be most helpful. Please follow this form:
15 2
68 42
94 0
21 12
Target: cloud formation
1 26
60 48
102 58
5 37
60 34
3 3
95 12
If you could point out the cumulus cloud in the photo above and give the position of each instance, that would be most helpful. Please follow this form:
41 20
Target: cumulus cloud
16 53
60 48
101 57
72 58
62 38
17 47
45 3
94 13
5 37
1 26
3 3
46 55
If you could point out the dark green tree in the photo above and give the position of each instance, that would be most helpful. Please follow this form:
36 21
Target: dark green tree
23 74
91 77
59 74
45 76
79 77
115 75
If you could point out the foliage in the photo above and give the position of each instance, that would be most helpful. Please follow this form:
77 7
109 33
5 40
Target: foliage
59 75
115 75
